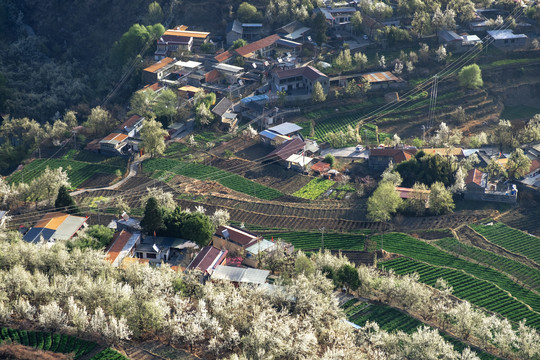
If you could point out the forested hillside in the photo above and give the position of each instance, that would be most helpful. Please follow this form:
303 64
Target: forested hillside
56 54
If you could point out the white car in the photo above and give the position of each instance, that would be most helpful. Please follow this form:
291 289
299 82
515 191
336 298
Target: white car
365 37
359 148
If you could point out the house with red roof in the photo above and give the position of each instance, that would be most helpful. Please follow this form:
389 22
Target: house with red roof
122 246
477 187
261 47
208 259
379 158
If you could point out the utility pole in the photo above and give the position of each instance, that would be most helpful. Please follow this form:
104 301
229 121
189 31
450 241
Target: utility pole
322 236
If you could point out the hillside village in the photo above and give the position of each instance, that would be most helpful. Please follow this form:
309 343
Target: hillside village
382 158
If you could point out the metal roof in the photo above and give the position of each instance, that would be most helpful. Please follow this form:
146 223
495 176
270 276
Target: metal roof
255 98
296 34
68 227
229 68
268 134
505 34
288 43
188 64
299 159
114 139
240 275
376 77
260 246
449 36
286 128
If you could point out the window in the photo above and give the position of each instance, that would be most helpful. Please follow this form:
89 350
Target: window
150 256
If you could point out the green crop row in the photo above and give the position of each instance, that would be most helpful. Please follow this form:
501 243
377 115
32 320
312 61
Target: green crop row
109 354
77 171
511 239
313 240
479 292
388 318
314 188
408 246
164 166
522 272
59 343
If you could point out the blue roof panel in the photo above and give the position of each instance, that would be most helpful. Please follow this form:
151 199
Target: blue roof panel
33 235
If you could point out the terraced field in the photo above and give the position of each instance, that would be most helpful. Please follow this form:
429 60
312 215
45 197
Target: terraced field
479 292
285 215
419 250
313 240
391 319
511 239
163 166
59 343
520 271
78 171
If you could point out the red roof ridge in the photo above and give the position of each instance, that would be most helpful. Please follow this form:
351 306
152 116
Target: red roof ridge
257 45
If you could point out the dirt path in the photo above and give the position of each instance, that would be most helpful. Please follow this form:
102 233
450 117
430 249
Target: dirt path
470 237
133 171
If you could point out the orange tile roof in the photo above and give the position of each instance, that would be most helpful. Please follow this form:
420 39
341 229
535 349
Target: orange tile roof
223 56
193 34
321 167
116 136
212 76
257 45
161 63
535 164
52 220
154 87
118 242
474 176
190 88
445 151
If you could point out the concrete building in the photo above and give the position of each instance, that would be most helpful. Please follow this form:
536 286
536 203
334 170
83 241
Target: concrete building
55 226
300 81
158 71
507 39
246 31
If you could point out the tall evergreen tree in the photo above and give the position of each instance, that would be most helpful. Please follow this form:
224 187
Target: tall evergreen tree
153 217
65 201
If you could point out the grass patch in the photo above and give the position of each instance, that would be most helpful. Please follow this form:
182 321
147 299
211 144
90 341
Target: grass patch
314 188
505 62
519 112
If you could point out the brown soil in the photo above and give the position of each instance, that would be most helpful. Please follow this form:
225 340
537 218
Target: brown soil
408 224
468 236
21 352
523 218
98 180
271 175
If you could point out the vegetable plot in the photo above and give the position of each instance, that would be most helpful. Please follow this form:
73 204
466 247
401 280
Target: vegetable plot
511 239
478 292
163 166
314 189
522 272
